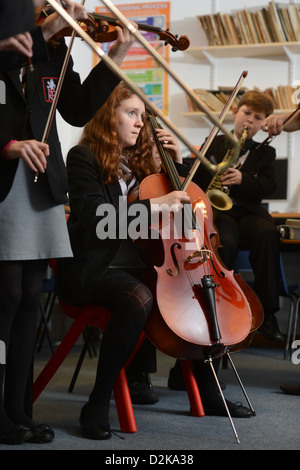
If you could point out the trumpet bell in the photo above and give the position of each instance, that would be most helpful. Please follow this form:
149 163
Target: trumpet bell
219 200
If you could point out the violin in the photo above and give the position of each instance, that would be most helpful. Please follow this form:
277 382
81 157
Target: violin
200 310
102 28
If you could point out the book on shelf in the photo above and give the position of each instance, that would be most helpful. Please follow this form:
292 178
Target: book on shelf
282 98
273 22
214 99
291 229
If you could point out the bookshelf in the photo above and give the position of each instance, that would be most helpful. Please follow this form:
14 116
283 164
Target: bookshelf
269 32
199 115
269 64
281 50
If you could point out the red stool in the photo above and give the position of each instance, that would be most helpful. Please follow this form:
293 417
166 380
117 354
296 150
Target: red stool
98 316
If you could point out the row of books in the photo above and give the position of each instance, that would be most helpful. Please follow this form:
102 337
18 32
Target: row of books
291 229
272 23
215 100
283 96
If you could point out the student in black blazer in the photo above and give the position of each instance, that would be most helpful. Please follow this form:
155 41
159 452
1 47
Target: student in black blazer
32 215
114 155
248 224
107 267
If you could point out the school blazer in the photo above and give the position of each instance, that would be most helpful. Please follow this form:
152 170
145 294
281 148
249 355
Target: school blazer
22 118
78 276
258 174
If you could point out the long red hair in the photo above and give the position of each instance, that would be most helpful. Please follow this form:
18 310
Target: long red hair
100 135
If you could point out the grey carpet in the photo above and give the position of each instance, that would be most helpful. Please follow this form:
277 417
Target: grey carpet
168 424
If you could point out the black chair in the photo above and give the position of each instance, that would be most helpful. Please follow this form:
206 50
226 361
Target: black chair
293 322
46 304
242 265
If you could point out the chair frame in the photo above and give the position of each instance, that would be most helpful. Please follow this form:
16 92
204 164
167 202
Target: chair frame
98 316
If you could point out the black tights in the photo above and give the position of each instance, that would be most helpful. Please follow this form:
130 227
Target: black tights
130 302
20 287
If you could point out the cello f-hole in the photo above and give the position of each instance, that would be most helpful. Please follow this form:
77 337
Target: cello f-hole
169 271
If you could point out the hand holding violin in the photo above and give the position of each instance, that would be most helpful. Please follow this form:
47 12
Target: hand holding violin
276 123
125 40
55 23
273 124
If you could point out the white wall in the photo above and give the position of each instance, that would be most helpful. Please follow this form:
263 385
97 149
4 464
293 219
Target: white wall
261 72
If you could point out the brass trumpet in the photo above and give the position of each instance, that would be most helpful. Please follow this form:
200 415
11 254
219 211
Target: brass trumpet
217 193
110 63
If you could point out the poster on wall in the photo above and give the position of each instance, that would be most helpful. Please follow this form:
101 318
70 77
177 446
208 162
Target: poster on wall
139 65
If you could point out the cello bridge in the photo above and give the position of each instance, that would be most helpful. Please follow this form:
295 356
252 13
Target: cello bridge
202 255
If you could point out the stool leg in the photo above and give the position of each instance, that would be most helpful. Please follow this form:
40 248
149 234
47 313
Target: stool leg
288 336
192 388
124 404
80 360
122 395
295 320
58 357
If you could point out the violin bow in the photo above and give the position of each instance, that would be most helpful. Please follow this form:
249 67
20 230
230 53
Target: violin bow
214 130
57 92
122 75
269 139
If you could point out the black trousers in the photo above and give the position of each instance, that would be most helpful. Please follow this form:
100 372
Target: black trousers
240 228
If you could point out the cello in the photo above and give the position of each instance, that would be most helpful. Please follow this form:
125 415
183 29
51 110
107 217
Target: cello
201 309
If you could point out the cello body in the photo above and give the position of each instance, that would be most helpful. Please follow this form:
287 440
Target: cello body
200 308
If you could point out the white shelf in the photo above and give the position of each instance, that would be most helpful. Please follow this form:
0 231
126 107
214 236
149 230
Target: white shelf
268 51
198 115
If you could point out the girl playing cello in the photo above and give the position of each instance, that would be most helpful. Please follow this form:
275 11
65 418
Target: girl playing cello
114 154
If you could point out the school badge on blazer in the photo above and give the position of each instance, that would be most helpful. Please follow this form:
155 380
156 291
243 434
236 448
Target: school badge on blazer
49 88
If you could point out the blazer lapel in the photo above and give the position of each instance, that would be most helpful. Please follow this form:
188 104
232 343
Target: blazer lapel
14 76
114 191
32 78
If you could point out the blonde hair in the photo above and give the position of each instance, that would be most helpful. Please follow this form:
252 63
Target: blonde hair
100 135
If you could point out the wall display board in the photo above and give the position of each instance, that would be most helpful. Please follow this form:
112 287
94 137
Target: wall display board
139 65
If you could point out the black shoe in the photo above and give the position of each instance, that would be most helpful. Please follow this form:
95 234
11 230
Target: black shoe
42 433
236 410
141 390
290 389
98 433
270 329
17 435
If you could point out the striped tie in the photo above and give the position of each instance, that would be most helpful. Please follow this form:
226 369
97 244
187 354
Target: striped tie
128 176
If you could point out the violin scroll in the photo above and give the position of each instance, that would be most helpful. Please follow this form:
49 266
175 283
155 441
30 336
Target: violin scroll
180 44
